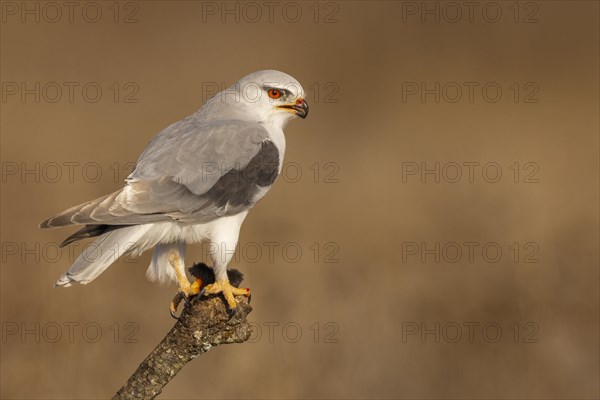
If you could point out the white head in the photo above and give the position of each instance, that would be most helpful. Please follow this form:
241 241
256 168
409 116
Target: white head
269 97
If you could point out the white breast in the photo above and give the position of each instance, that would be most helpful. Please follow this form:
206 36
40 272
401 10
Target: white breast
278 138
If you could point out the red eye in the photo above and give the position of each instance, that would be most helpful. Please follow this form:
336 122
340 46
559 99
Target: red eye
274 93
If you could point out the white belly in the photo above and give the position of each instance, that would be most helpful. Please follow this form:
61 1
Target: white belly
223 233
224 228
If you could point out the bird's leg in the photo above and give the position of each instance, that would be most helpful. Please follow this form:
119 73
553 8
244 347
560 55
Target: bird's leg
222 285
185 290
222 252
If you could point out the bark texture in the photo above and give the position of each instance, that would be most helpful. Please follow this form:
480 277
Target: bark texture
205 323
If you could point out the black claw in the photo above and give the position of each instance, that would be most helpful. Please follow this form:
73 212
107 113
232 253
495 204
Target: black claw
175 303
249 297
231 311
185 298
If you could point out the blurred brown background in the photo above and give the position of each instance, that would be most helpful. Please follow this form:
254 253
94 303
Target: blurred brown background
386 320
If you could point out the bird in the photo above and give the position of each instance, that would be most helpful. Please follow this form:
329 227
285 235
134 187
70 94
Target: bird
195 182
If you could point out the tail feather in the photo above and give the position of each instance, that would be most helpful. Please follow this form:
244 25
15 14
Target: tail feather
74 215
97 257
111 209
89 231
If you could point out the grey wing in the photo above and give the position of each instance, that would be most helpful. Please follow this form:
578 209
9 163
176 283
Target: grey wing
197 154
189 172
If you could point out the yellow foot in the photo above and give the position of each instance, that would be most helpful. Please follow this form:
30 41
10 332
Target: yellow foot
185 292
228 291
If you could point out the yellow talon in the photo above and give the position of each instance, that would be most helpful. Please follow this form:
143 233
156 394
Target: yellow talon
228 291
196 286
185 290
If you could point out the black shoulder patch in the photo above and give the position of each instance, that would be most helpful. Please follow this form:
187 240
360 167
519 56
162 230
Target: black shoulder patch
239 186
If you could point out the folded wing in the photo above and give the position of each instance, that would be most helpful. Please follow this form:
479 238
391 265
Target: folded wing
190 172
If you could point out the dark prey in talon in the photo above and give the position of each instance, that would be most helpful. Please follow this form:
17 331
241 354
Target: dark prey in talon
195 182
204 277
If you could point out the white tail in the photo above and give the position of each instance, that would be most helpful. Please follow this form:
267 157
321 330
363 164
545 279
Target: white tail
99 255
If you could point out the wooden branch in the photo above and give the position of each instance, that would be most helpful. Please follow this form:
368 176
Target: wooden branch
205 323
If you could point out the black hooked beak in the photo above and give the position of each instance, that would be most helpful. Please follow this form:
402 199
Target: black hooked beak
301 108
